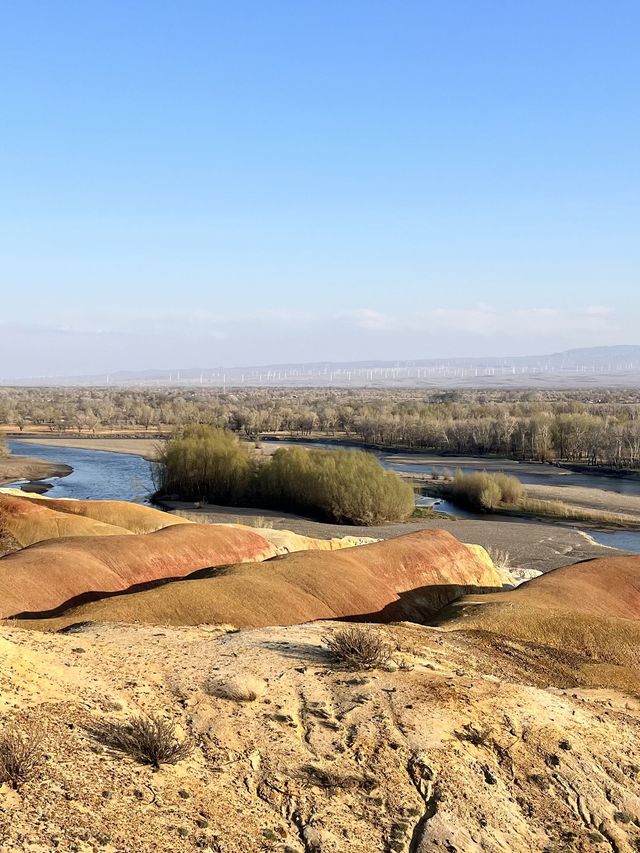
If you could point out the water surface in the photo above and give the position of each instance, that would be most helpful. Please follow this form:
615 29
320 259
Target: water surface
532 473
97 474
624 540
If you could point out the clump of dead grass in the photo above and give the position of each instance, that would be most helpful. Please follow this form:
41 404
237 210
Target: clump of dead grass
262 522
358 647
148 739
563 511
500 558
21 755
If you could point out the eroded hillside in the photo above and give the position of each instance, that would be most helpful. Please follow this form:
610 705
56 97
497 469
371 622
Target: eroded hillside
457 744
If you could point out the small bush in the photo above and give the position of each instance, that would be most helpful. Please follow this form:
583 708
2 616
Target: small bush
499 557
480 490
149 740
21 756
490 495
345 486
206 465
241 688
358 648
510 488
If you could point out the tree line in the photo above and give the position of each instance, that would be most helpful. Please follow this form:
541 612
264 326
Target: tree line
600 428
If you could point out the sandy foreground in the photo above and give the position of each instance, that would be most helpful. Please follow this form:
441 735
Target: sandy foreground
468 741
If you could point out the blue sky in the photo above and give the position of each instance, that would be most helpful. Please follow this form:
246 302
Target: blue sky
205 183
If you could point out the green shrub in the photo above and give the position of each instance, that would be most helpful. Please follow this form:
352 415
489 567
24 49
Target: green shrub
510 487
483 491
202 462
490 495
340 485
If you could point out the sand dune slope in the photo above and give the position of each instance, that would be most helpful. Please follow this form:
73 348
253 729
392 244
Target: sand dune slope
590 608
30 521
121 515
48 574
410 577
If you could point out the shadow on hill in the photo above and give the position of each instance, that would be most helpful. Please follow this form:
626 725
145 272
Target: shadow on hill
422 604
300 651
419 605
98 595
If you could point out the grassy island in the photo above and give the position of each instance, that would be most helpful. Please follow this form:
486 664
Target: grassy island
204 463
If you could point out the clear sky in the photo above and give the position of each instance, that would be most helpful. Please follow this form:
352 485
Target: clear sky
206 183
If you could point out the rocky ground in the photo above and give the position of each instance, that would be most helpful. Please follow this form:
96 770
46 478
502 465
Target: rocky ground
458 744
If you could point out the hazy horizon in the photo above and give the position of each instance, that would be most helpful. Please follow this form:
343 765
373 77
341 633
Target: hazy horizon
248 184
619 365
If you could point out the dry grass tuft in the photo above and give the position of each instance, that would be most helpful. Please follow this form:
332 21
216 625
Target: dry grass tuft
261 521
240 688
500 558
358 648
149 740
322 777
21 755
567 512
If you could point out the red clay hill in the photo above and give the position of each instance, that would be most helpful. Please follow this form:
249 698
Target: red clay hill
87 550
409 577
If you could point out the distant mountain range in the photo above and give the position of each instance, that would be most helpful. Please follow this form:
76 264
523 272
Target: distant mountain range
596 366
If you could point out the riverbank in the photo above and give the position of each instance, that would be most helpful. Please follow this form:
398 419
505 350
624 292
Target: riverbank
14 468
577 506
128 441
589 498
106 475
594 498
145 447
93 475
541 547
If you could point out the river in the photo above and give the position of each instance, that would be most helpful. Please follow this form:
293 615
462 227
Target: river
532 473
97 474
102 475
